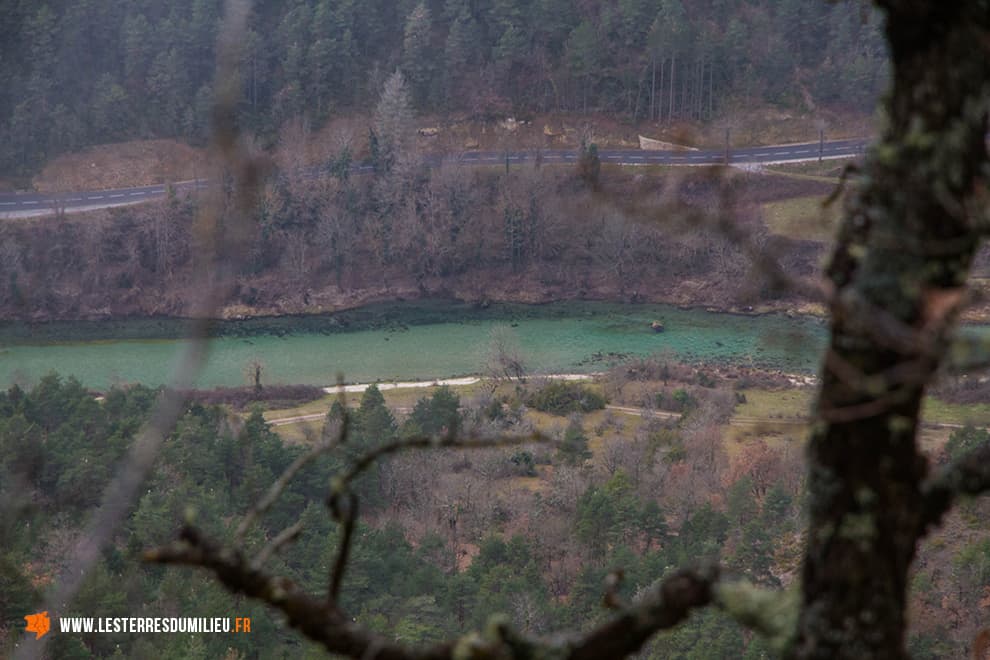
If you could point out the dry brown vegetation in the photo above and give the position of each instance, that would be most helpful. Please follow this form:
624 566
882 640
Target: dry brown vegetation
128 164
533 235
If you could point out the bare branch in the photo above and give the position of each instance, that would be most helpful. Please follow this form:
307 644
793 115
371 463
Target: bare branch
276 489
286 536
849 171
613 583
770 612
221 247
968 475
967 353
348 519
316 618
723 220
666 605
341 483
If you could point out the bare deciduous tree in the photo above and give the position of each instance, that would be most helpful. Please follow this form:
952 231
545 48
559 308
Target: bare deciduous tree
504 359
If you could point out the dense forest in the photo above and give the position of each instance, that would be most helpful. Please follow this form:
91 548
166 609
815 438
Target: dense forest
531 532
59 447
85 72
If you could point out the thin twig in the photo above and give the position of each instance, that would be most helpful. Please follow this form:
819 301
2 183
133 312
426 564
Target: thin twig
663 607
847 171
426 442
216 268
680 216
347 519
286 536
276 489
969 475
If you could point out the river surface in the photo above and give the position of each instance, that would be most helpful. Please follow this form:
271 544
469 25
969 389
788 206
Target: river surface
407 341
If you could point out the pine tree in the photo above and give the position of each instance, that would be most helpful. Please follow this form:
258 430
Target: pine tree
394 119
417 56
583 51
574 446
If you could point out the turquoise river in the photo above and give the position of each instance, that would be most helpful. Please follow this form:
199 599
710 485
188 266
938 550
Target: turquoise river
405 341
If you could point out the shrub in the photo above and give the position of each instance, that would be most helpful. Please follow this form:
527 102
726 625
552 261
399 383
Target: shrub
563 398
574 447
240 398
965 440
523 460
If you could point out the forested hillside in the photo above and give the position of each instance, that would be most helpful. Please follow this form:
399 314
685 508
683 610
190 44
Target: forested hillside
529 532
475 551
531 235
76 73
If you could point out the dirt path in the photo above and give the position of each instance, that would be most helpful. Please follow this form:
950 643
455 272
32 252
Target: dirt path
741 420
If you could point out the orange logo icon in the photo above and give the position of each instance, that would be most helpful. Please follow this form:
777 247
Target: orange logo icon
38 623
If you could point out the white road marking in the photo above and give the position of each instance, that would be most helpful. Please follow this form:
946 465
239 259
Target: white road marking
808 151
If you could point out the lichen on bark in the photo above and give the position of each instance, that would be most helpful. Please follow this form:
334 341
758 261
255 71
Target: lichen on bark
901 261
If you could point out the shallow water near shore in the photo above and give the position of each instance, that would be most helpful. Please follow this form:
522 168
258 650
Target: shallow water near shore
410 341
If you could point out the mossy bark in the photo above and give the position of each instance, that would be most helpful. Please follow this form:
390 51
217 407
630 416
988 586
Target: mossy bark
901 261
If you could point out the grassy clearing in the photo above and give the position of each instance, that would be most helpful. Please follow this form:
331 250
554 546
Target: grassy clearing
402 400
320 405
766 415
781 404
827 170
802 217
405 397
653 169
538 484
775 434
300 433
940 412
796 404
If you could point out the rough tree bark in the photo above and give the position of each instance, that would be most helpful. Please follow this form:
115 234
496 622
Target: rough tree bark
899 272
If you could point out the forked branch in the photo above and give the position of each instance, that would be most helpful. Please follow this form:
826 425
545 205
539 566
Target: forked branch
968 475
323 621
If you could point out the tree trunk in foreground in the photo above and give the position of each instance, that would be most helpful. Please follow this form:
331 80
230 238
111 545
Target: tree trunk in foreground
899 271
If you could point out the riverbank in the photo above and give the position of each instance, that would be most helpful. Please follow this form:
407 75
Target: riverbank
441 382
411 341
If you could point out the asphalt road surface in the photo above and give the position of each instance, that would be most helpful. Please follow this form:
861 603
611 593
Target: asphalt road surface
30 204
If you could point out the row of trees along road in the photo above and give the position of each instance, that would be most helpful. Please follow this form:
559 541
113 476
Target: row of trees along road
82 72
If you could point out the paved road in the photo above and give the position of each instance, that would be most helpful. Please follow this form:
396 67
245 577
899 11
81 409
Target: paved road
27 204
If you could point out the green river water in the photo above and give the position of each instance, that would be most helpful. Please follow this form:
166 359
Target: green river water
404 341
